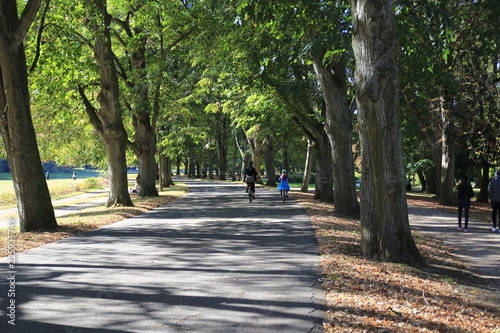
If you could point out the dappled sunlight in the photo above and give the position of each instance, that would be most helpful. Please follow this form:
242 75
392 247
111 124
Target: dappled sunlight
369 296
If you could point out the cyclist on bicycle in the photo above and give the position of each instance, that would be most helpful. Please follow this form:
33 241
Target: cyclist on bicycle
283 185
250 176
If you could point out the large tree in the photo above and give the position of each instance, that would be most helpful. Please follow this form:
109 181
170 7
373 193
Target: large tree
385 230
108 119
33 200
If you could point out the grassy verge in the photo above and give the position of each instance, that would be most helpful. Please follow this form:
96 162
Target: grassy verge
368 296
58 189
89 219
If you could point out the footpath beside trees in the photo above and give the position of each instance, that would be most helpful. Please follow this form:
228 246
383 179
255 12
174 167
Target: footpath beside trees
18 135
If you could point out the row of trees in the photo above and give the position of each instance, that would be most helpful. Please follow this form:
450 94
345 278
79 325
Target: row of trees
214 84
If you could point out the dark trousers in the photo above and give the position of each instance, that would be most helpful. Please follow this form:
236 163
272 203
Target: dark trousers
252 186
495 206
463 206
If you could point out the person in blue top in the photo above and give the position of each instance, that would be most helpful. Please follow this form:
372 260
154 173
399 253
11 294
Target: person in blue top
283 185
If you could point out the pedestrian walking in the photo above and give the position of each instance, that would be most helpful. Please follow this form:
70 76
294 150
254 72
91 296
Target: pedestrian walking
464 194
494 194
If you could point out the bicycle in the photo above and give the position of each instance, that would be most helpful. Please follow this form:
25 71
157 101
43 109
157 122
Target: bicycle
284 194
251 194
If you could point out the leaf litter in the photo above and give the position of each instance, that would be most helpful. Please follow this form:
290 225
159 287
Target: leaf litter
368 296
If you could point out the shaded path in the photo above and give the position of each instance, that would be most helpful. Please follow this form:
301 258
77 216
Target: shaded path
480 248
210 262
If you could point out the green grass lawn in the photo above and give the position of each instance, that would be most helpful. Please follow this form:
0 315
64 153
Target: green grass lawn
299 185
56 179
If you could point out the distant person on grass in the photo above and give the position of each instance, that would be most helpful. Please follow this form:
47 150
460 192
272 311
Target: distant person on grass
464 194
495 199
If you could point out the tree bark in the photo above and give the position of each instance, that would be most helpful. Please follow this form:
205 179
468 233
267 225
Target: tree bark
220 124
257 150
339 128
271 176
485 181
34 204
166 170
145 149
108 122
324 162
307 168
144 145
448 140
385 229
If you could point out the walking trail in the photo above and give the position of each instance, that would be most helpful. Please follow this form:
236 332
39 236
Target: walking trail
210 262
480 248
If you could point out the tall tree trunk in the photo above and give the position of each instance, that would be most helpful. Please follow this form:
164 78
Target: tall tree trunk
423 180
485 181
385 230
145 150
338 126
108 121
178 165
220 124
448 140
245 156
34 204
257 150
307 168
210 162
271 176
324 162
222 149
234 171
144 144
192 168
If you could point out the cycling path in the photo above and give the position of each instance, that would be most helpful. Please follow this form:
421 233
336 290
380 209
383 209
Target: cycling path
210 262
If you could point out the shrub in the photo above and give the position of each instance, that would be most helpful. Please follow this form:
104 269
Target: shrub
92 182
7 198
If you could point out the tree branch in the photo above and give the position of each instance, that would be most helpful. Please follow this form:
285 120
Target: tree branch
39 37
27 18
91 111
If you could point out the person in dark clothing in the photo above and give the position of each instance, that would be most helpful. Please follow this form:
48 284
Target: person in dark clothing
249 177
464 193
494 194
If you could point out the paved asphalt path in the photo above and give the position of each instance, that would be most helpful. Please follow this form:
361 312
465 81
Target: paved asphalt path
209 262
480 247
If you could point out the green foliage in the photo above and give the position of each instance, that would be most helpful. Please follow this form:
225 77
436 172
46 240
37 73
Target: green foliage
92 182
